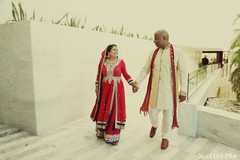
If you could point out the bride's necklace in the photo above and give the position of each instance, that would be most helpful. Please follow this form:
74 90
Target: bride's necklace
111 63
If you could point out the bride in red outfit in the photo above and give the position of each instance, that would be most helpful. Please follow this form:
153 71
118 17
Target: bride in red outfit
109 111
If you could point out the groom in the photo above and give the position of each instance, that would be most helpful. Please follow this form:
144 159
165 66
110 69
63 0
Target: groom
163 64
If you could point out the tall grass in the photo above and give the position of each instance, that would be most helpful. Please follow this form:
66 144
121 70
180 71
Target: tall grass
19 14
72 22
120 31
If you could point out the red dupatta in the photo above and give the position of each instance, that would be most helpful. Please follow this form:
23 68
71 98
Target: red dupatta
145 105
99 81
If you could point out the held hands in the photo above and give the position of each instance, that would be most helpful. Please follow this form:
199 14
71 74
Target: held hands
134 87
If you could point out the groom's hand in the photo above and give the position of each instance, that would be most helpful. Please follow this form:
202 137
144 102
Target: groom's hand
182 98
135 87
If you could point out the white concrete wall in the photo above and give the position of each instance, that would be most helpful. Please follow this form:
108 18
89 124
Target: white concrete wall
219 125
17 107
49 72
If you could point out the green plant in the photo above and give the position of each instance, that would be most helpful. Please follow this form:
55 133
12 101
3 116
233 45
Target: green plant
138 35
113 31
19 14
97 28
235 75
58 22
122 30
130 34
235 61
145 37
73 22
84 23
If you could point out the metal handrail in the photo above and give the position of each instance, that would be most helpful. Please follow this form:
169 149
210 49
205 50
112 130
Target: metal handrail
197 77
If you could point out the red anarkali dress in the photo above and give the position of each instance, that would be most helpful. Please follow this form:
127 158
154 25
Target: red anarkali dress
109 111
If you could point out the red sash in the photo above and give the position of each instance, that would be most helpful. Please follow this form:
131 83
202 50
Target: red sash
99 80
145 105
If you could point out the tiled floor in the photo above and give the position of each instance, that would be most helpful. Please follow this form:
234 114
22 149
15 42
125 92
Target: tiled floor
77 141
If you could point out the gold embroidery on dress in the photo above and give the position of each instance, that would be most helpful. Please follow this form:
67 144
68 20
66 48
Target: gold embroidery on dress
110 68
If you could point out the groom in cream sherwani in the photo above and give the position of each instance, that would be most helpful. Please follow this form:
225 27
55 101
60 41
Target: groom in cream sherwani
168 68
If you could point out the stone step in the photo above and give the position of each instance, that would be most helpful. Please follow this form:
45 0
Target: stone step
6 130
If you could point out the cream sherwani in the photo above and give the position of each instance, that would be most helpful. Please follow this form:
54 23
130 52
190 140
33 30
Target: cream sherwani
161 93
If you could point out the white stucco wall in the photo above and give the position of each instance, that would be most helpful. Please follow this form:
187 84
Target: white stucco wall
17 107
